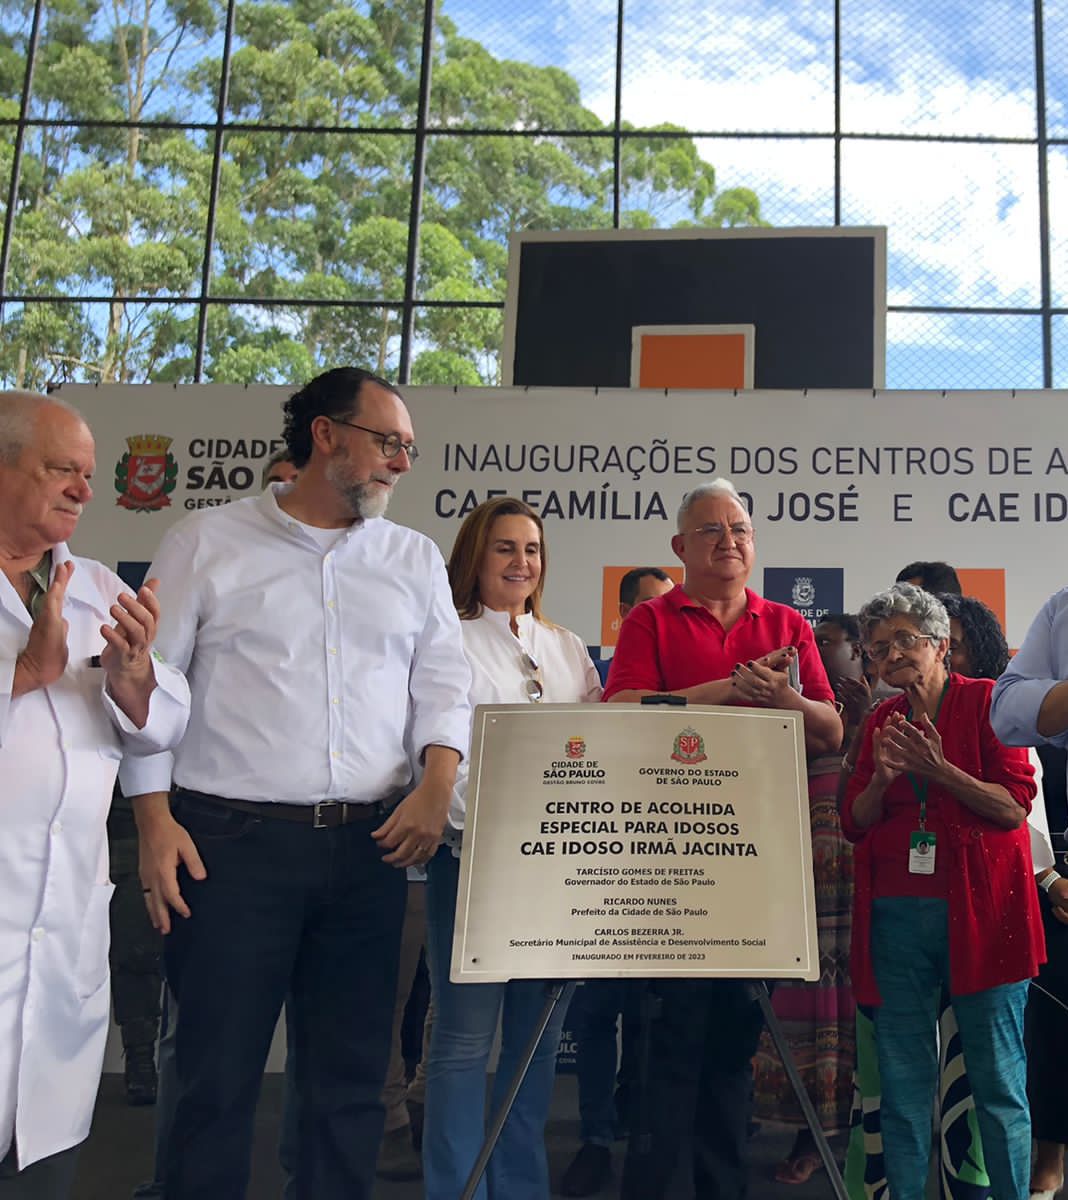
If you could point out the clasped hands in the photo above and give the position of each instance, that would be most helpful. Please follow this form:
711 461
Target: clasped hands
764 681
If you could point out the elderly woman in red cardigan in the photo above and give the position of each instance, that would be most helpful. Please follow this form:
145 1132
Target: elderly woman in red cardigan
944 893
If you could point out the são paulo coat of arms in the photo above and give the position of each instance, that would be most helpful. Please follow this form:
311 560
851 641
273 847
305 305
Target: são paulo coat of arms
689 747
146 474
575 747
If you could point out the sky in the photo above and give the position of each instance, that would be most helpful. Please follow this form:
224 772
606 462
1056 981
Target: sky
963 218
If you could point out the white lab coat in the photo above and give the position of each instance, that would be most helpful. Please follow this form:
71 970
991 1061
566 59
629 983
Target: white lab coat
60 749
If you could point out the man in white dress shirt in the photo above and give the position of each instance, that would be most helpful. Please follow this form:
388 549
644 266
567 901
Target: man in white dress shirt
79 688
326 668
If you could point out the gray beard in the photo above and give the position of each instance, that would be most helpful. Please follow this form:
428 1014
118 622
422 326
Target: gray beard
370 502
365 501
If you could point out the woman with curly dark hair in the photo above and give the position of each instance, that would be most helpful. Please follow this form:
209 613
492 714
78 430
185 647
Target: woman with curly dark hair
977 647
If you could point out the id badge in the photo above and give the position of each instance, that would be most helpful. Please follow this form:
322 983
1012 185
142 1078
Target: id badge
921 852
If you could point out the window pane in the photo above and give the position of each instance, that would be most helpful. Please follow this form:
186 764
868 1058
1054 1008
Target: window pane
15 21
957 351
1060 352
70 342
90 224
962 219
347 63
955 67
480 190
1058 224
727 182
458 347
165 68
1055 14
291 343
733 65
511 64
313 216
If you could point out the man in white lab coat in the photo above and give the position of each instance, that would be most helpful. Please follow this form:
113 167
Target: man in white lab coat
79 688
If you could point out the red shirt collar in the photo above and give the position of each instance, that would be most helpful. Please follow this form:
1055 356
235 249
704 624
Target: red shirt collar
679 599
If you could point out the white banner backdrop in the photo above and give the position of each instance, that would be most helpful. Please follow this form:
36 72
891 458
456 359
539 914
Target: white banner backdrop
845 487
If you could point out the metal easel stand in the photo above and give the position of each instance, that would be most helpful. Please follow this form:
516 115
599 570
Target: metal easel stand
554 992
792 1073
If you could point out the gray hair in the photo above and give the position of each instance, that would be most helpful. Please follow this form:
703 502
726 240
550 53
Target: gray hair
714 487
282 455
18 417
925 611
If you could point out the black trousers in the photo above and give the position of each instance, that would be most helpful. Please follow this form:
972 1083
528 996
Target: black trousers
285 909
136 948
700 1085
1046 1032
50 1178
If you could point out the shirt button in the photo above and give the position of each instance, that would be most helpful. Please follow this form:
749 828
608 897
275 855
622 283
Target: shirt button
335 754
330 604
335 700
37 934
57 827
332 650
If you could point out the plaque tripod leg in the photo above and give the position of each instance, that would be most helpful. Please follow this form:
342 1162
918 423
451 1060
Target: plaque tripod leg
553 995
803 1099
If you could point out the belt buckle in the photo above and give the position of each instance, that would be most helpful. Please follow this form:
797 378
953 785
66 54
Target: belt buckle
317 813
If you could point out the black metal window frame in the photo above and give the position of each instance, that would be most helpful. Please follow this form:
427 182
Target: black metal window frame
422 130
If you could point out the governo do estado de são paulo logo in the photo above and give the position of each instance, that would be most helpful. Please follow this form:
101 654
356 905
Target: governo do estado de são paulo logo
146 474
689 747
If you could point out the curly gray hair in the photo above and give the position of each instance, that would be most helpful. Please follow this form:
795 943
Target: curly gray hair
925 611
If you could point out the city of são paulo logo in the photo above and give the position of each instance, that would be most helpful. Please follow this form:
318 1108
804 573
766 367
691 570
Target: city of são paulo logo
803 593
574 767
146 474
689 747
575 747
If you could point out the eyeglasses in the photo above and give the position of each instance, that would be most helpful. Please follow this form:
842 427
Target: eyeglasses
741 534
534 688
901 640
390 443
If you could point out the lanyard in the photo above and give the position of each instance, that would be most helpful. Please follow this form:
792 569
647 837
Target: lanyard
919 786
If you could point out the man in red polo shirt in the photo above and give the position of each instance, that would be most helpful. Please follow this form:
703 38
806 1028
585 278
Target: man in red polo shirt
713 641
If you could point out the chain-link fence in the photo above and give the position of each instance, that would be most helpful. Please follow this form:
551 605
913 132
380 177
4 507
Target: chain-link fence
243 190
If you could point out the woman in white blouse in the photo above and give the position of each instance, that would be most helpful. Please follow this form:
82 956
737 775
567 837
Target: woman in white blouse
497 573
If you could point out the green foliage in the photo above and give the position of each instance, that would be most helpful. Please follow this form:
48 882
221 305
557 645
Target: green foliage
315 215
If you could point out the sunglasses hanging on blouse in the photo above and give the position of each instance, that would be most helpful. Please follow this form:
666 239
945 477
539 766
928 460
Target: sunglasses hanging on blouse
534 689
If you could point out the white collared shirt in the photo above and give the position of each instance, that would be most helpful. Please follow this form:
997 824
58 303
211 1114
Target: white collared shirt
311 670
499 675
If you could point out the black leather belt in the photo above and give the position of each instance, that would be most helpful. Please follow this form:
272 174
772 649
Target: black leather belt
325 814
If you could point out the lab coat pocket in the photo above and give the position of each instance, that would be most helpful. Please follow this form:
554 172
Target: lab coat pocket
92 971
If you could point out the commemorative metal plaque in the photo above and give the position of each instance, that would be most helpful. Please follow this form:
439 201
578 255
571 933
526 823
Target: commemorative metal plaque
622 839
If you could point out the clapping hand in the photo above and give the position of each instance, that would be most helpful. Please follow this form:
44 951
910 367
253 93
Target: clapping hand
129 641
44 658
908 747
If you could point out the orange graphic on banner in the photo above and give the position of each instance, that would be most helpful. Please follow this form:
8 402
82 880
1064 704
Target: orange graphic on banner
693 360
986 584
610 618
